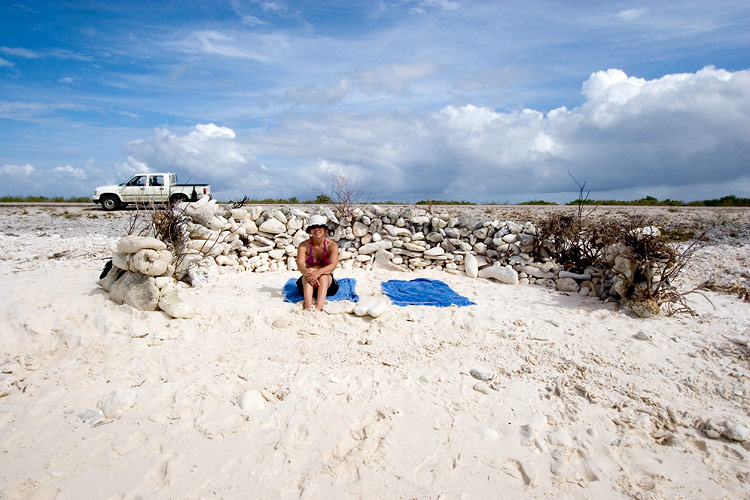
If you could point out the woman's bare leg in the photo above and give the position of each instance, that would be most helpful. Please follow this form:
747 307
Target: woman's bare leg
308 289
324 282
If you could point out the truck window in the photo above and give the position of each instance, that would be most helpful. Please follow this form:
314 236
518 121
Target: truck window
156 180
137 181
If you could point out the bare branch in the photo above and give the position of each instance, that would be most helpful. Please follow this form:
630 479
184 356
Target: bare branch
345 193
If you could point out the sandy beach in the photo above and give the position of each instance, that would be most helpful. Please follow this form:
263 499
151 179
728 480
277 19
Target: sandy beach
590 401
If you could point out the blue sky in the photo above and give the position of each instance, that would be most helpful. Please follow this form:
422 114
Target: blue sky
410 99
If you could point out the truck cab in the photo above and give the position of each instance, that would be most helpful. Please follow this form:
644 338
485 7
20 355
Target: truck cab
142 188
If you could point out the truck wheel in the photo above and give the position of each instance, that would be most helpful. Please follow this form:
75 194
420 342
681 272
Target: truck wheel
110 203
178 198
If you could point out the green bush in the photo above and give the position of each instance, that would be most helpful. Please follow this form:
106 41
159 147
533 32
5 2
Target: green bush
726 201
538 202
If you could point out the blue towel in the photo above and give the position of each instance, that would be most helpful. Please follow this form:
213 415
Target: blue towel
423 292
345 292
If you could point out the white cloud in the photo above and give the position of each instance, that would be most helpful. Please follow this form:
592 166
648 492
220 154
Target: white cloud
5 63
666 135
17 171
208 151
631 14
421 6
33 54
35 110
248 19
316 95
441 4
129 167
70 172
207 131
24 7
258 47
252 20
630 133
394 78
271 6
20 52
68 54
66 79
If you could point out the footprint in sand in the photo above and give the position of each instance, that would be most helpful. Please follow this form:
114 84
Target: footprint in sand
572 464
157 477
360 445
523 472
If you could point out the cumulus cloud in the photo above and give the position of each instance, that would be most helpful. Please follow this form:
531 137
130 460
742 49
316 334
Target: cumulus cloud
207 151
630 134
70 172
61 180
678 130
17 171
128 168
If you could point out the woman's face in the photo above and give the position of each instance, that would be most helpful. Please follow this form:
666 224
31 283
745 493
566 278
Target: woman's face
318 232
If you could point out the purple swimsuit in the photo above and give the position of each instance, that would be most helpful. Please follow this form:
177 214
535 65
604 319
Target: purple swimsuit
310 261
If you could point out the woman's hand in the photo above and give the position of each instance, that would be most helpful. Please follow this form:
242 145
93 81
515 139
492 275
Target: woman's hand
312 276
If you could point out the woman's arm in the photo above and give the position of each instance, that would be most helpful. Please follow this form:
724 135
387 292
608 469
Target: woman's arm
301 257
312 274
333 259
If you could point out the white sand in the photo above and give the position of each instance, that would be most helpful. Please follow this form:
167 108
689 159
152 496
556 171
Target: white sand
360 408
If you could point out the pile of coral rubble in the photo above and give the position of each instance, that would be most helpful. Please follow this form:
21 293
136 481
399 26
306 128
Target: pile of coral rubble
260 239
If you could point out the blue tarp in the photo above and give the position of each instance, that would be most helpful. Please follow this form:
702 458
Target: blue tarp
423 292
345 292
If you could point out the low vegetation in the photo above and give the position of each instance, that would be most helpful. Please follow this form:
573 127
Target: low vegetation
44 199
726 201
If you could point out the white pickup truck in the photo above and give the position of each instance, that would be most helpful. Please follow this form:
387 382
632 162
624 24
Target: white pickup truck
149 188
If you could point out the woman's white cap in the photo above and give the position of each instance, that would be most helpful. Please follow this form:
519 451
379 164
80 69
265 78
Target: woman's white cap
316 220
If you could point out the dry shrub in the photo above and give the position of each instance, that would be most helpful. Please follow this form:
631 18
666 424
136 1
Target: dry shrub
170 225
578 240
574 241
741 291
167 223
658 262
346 193
643 261
239 204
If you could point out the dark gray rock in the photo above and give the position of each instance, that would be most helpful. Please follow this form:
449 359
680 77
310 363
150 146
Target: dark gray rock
136 290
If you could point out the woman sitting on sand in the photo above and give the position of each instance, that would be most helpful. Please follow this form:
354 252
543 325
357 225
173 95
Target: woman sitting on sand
316 260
